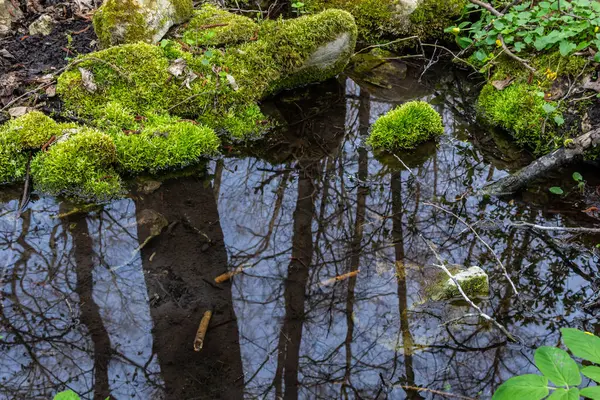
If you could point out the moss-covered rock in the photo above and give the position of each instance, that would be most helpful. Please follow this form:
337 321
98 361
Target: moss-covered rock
474 282
219 87
78 165
381 20
129 21
163 143
212 26
406 127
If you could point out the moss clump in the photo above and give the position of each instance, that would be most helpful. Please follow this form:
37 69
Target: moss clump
163 143
212 26
520 110
406 127
79 165
128 15
13 162
34 129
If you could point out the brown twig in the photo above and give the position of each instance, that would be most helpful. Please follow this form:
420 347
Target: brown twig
339 278
202 328
514 56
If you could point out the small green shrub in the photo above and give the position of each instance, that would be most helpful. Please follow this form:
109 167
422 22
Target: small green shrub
80 166
406 127
557 367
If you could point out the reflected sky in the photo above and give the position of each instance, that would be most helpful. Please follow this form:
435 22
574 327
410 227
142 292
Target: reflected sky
82 307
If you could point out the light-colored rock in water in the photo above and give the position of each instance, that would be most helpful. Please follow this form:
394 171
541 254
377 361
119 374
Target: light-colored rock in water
42 26
474 282
8 15
129 21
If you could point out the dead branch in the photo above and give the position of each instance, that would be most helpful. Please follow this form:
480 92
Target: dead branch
522 224
514 56
339 278
488 7
558 158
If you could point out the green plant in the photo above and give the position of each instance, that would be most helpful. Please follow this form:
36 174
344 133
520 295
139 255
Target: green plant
298 7
557 190
559 368
406 127
67 395
577 177
567 26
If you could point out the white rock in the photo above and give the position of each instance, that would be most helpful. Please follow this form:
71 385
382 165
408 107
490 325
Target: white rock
42 26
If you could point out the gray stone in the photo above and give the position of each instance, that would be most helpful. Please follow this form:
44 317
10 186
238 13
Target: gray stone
42 26
129 21
8 15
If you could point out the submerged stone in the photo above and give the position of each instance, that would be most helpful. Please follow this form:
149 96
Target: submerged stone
129 21
406 127
474 282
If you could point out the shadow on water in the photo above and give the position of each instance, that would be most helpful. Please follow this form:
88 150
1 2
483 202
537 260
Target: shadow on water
108 301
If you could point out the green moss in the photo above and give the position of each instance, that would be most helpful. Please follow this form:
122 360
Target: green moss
80 166
163 143
381 20
476 285
519 110
431 17
126 13
34 129
13 162
212 26
406 127
125 21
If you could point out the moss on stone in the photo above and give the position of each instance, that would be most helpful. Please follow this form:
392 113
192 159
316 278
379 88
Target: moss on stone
126 13
406 127
79 165
129 21
520 110
13 161
163 143
380 20
212 26
34 129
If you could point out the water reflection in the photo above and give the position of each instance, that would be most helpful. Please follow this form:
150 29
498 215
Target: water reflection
108 301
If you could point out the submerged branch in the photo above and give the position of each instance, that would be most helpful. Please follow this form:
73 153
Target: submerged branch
563 156
522 224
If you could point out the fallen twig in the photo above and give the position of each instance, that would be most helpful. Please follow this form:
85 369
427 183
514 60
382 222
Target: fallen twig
228 275
202 328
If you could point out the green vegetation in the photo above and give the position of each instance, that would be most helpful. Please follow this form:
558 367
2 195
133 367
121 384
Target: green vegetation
78 165
560 369
406 127
529 27
524 113
162 143
212 26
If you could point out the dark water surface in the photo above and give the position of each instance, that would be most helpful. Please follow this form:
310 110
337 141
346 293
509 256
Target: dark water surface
104 302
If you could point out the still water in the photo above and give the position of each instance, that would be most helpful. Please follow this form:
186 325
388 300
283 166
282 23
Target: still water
107 300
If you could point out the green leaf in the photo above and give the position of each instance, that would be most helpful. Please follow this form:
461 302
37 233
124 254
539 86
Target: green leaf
524 387
566 48
556 190
67 395
592 372
577 177
564 394
557 365
582 344
549 108
592 392
559 120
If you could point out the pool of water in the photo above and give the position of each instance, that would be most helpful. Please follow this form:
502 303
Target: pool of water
107 300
